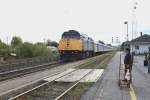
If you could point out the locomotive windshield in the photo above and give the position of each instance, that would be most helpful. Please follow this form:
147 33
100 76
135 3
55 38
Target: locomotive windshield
71 35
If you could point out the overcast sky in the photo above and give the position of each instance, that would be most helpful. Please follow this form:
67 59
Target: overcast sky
34 20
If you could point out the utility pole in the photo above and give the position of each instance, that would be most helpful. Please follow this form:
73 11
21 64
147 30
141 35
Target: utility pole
44 40
117 40
7 40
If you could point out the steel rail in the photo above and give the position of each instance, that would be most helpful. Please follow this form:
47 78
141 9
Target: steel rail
50 81
23 71
40 85
74 85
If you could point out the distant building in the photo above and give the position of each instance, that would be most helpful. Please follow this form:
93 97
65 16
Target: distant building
139 45
125 45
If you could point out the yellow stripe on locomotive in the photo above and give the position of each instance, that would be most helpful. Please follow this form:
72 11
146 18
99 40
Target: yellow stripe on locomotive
70 44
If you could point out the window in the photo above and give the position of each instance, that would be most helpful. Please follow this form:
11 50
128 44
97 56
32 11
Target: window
71 36
137 47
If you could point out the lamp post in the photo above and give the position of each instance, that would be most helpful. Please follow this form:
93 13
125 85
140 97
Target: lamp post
134 20
127 30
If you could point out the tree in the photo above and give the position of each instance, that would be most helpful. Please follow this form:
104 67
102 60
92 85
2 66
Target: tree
40 43
4 50
16 41
41 50
2 45
52 43
48 43
25 50
29 50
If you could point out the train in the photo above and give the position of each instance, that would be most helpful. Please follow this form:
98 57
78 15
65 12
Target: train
74 45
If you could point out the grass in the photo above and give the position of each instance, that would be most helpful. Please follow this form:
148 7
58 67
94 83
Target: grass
104 63
99 63
55 55
76 93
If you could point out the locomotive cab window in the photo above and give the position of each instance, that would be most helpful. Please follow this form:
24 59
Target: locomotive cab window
71 35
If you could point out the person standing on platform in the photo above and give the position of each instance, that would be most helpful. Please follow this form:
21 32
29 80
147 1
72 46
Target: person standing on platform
128 62
148 59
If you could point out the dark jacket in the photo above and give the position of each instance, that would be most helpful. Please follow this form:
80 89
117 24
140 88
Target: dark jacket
128 59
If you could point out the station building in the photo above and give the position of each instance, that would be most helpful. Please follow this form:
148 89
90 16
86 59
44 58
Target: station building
138 45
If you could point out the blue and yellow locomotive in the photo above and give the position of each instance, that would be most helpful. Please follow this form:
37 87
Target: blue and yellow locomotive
74 45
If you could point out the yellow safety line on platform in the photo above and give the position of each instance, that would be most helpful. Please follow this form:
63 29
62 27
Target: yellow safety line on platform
132 93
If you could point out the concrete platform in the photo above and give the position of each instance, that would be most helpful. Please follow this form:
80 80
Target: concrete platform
141 83
106 88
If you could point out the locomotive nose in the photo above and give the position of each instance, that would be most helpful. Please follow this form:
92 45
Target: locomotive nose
68 43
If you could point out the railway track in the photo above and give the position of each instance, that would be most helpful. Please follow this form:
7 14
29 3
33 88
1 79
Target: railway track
23 63
44 84
25 66
63 94
27 70
28 85
23 71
